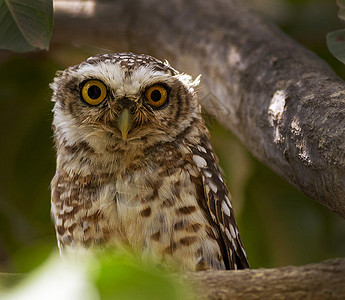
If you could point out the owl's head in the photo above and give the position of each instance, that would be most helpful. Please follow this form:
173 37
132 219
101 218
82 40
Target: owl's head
122 99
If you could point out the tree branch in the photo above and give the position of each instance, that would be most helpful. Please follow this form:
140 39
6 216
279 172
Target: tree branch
325 280
284 103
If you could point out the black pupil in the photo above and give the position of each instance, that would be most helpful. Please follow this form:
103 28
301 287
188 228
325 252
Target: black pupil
94 92
156 96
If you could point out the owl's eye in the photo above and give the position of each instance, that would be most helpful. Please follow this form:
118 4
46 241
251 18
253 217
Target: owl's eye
157 96
94 92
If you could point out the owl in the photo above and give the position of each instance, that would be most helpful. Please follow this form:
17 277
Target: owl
135 167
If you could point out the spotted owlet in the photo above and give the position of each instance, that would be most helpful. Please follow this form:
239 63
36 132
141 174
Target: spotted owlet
135 166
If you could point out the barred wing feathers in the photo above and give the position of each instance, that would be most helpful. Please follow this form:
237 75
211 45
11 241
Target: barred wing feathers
218 206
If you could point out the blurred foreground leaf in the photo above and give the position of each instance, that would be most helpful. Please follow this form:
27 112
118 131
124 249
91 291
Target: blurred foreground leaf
10 279
86 277
25 25
121 277
336 44
55 279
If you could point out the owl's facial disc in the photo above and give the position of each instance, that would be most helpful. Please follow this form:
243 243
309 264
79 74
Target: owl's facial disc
118 100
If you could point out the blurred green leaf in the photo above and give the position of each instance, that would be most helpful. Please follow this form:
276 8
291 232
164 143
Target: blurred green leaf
336 44
25 25
54 280
124 277
8 280
39 251
87 276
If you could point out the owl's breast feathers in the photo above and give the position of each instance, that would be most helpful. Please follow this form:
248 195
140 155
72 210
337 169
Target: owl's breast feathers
170 202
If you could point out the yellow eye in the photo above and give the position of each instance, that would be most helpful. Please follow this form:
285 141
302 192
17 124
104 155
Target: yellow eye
157 95
94 92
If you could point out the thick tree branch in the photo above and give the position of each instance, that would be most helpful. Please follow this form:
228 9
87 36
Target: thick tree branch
284 103
324 281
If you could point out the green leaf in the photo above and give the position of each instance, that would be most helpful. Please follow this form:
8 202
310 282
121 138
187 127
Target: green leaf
88 276
121 276
336 44
25 25
10 279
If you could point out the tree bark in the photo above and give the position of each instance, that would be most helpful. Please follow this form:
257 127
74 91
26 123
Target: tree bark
284 103
324 281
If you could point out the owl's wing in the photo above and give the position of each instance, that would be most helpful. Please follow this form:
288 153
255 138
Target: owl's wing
218 206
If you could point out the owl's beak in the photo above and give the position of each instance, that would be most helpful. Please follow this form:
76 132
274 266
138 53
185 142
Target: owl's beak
124 122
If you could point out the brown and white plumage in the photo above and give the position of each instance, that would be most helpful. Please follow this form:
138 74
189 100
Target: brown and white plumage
136 171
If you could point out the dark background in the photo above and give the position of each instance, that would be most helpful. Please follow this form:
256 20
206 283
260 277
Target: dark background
279 226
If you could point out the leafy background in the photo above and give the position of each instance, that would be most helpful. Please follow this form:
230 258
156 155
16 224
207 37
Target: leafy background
279 225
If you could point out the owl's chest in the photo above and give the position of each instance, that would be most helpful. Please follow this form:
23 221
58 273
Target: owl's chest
124 210
144 203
